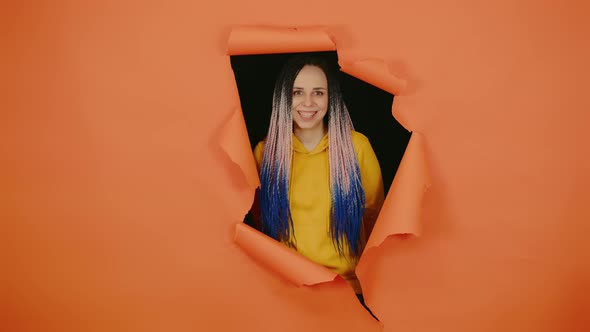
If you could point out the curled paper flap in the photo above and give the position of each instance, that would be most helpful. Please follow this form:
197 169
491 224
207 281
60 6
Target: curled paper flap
278 258
401 210
235 142
266 40
375 72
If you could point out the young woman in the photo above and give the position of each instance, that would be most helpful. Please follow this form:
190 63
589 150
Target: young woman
321 185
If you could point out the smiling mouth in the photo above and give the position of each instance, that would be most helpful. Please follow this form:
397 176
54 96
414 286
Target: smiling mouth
307 115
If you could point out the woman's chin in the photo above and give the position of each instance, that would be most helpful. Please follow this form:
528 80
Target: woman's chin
306 125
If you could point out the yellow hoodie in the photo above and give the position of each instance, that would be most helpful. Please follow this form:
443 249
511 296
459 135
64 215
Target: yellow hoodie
310 201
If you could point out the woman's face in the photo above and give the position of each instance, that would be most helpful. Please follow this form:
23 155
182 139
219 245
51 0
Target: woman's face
310 98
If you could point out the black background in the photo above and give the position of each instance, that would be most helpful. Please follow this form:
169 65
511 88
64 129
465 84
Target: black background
369 106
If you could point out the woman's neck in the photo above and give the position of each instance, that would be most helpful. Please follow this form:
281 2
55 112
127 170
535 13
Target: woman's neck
310 137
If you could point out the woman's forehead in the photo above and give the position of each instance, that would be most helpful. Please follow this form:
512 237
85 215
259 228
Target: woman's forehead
311 76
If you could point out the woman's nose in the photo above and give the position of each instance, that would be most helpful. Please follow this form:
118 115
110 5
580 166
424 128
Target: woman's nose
308 101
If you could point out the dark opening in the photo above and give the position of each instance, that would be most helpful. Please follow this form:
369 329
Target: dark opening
369 107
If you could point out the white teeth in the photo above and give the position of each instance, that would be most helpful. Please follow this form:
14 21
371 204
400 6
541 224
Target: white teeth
307 115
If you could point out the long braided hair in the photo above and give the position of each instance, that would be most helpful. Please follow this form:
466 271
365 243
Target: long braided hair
347 194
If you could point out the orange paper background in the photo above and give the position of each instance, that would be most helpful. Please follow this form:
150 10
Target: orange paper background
119 206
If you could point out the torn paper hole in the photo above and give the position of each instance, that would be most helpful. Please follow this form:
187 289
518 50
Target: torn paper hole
235 142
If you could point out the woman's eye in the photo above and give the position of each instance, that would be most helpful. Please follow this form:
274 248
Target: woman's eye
319 93
297 93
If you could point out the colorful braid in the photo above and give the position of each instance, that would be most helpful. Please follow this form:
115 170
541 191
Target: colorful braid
347 194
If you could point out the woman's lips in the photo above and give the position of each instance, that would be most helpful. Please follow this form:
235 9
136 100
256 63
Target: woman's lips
307 115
